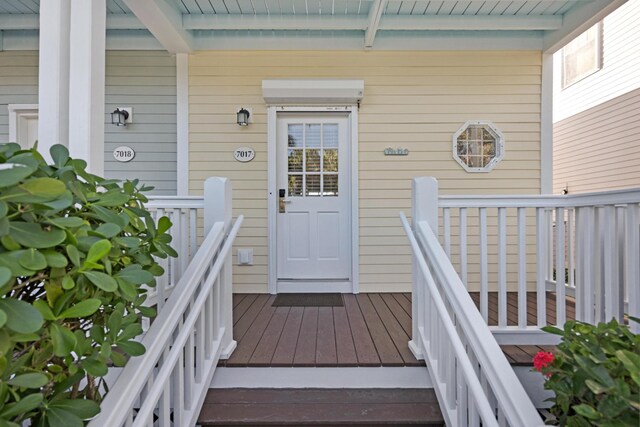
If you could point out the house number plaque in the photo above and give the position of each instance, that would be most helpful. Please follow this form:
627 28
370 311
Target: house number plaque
124 154
244 154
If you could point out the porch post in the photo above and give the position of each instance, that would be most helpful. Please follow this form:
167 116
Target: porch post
217 207
424 208
53 78
87 80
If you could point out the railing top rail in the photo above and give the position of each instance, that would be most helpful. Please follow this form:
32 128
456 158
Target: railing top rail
175 202
625 196
138 369
516 405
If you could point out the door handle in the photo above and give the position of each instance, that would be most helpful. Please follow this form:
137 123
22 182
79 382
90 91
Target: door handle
281 201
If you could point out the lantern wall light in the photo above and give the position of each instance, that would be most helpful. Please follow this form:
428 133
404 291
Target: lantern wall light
121 116
242 117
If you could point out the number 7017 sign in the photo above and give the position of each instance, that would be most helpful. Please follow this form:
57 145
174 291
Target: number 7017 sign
244 154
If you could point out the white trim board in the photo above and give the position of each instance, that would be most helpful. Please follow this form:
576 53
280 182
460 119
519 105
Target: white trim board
16 111
364 377
272 113
182 118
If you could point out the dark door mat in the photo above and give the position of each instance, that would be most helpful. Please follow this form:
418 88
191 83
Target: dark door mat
308 300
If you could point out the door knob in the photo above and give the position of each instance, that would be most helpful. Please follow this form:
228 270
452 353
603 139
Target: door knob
281 202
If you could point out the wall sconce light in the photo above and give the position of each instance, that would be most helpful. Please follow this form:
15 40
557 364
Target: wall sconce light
119 117
242 117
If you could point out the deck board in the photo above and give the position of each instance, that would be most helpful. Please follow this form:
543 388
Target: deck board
369 330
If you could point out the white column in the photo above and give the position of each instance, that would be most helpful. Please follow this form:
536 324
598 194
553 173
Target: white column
53 80
87 80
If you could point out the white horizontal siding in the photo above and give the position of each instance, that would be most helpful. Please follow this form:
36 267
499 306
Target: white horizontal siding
620 71
599 149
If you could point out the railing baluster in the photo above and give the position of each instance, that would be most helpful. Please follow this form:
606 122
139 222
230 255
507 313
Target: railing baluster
541 256
446 230
561 300
522 267
550 241
193 230
598 259
610 264
502 267
632 270
175 263
571 248
463 246
484 266
201 345
189 355
184 241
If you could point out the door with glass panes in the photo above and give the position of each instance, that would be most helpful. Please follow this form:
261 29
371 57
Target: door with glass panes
313 215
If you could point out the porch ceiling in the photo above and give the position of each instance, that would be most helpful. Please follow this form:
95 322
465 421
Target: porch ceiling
187 25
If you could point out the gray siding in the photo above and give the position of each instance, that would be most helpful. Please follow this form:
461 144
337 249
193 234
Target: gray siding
143 80
599 149
18 84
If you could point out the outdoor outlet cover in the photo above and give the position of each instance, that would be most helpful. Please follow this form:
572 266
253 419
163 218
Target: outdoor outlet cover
245 256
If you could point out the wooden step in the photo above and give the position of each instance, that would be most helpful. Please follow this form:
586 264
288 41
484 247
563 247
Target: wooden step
320 407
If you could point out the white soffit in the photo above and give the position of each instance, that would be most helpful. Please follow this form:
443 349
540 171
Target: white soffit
312 92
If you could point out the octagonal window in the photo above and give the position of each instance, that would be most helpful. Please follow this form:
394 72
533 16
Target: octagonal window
478 146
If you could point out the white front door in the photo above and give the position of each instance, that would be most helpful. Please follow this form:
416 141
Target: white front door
313 216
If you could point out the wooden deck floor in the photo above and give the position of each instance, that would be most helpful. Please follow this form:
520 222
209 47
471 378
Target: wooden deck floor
371 329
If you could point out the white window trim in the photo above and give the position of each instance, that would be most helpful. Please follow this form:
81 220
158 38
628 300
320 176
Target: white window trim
16 112
272 113
499 145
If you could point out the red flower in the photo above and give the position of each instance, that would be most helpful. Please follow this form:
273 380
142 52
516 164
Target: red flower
541 360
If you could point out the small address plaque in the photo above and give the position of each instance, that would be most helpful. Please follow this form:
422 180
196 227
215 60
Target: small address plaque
244 154
124 154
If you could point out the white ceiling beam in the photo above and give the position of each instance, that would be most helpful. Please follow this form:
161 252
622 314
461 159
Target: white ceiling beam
375 14
164 22
273 22
577 20
471 22
32 22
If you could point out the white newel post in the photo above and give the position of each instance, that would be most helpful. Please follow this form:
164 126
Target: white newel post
87 80
217 207
53 78
424 208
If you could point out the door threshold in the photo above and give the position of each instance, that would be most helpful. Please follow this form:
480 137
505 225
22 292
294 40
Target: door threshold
314 286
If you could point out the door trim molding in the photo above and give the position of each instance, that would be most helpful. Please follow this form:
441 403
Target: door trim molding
16 112
272 115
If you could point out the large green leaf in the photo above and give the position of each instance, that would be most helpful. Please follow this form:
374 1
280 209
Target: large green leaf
98 250
44 309
101 280
4 208
33 259
132 348
66 222
35 190
5 275
13 173
59 154
135 274
3 318
82 309
108 215
164 224
21 316
57 417
55 259
74 254
83 408
30 380
26 404
32 235
112 198
108 230
4 226
10 260
63 340
95 367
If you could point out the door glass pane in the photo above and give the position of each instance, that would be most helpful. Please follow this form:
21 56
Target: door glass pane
313 160
330 136
295 136
313 185
313 135
295 160
330 187
330 160
295 185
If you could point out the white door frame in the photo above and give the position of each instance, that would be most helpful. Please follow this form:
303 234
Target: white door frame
16 113
272 199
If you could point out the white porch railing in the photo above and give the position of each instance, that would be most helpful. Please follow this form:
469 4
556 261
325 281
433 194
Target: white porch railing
183 213
585 246
472 378
187 338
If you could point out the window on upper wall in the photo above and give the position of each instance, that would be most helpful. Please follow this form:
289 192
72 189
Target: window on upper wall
583 56
478 146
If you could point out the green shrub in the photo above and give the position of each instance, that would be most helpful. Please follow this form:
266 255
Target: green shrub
595 374
75 250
